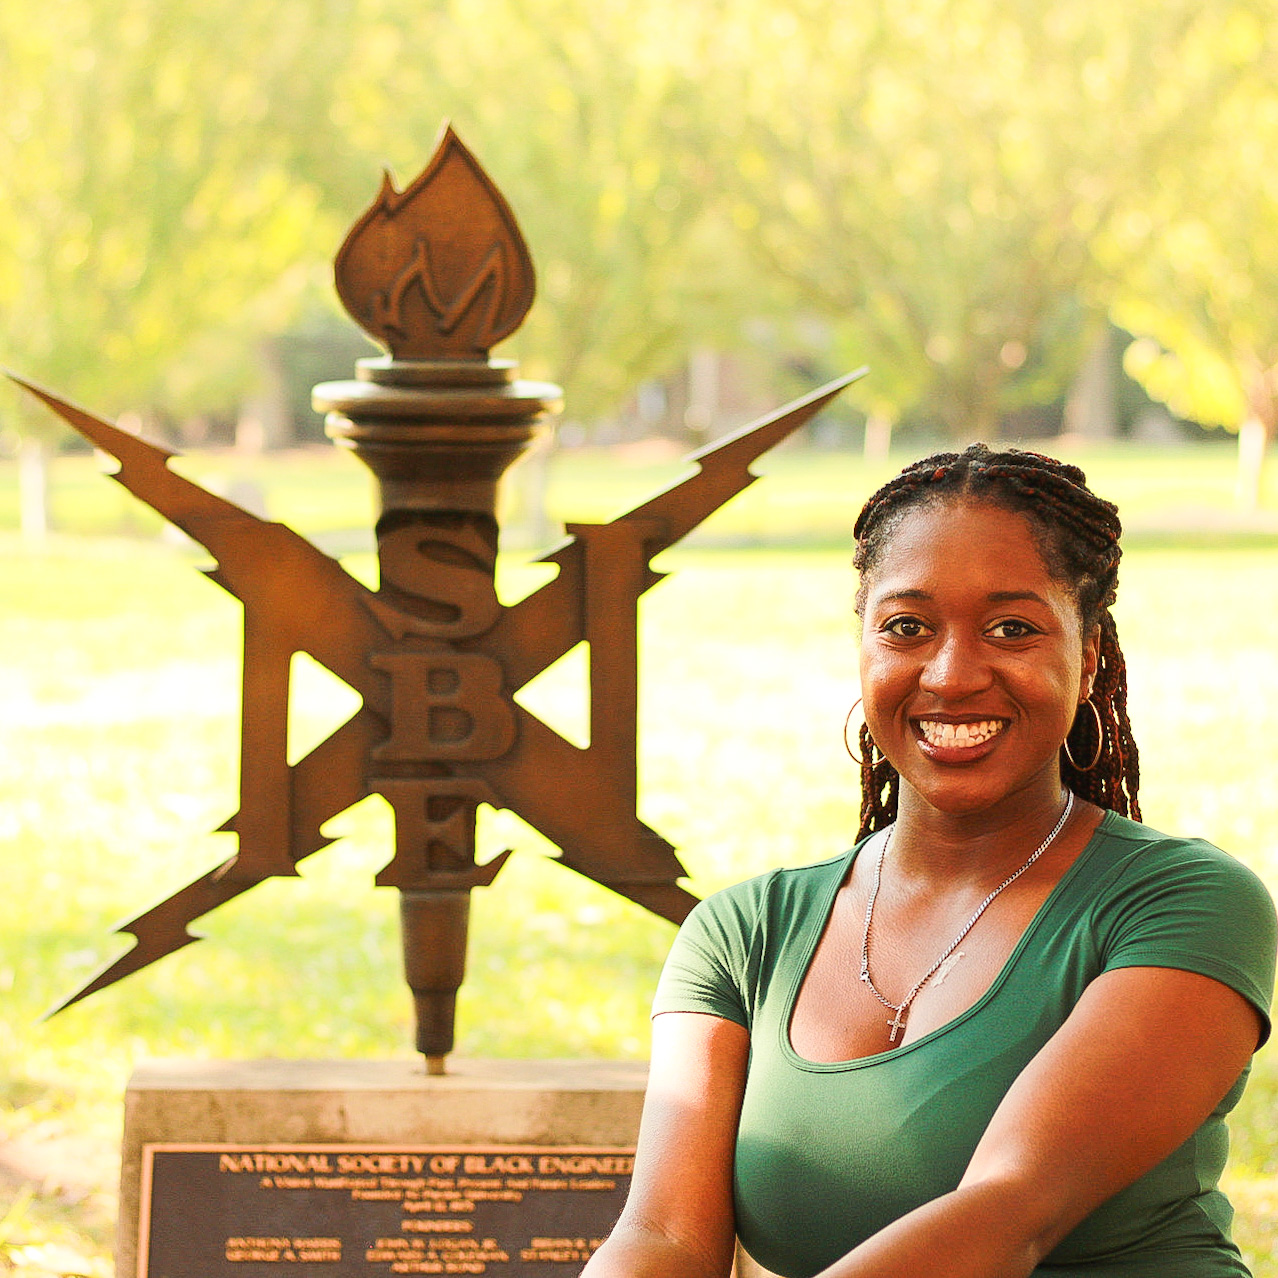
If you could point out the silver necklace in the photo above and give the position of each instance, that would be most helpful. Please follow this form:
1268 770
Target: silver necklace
901 1010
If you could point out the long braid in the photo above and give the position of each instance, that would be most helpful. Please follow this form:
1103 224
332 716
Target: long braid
1078 535
880 785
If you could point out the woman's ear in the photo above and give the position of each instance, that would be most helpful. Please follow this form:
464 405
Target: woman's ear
1091 663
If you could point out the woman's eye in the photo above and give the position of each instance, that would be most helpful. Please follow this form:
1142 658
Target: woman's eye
905 627
1011 630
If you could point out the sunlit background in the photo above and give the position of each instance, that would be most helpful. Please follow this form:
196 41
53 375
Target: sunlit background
1047 221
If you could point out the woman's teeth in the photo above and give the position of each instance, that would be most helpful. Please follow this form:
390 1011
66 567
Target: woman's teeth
959 736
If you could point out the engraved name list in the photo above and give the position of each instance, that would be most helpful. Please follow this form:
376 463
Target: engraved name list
518 1212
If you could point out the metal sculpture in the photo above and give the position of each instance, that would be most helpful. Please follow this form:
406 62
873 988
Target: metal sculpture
437 273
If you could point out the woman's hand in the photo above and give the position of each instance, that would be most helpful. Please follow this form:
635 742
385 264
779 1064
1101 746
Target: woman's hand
1143 1059
678 1220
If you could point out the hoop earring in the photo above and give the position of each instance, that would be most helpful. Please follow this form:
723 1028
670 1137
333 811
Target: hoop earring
1100 740
847 745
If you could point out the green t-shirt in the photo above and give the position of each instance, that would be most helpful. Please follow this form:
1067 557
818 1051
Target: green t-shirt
829 1153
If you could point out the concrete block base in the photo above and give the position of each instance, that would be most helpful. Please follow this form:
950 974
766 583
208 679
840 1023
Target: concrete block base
279 1102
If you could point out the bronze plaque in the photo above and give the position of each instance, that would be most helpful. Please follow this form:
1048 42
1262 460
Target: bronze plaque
252 1210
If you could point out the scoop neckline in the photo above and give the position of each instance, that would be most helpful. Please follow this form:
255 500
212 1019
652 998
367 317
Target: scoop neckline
1000 978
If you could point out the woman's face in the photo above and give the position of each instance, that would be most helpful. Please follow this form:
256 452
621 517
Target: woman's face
973 661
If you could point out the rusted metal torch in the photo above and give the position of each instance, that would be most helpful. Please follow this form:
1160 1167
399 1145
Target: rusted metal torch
438 274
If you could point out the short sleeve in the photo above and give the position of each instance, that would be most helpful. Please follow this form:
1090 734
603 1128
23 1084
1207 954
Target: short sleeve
1188 905
705 969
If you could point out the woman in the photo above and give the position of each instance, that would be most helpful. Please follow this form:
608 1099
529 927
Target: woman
999 1037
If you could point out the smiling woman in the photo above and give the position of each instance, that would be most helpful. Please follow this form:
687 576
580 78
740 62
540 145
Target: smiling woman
1000 1036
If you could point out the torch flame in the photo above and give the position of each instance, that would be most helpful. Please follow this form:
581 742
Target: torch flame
439 270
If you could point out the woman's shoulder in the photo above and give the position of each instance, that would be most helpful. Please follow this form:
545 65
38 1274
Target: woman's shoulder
777 888
1151 899
1134 852
739 938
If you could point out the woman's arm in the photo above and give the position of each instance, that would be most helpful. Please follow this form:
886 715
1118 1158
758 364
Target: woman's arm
678 1220
1142 1061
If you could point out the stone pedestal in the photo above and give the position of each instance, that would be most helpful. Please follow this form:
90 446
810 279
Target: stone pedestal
258 1104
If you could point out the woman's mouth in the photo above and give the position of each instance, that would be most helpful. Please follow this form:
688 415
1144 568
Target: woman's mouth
959 736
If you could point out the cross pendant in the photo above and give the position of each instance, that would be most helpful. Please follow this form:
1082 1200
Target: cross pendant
896 1023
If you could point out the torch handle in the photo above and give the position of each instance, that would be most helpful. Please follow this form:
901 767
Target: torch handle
434 926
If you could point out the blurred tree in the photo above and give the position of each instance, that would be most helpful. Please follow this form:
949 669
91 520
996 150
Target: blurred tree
151 200
1198 260
178 179
933 174
930 178
149 191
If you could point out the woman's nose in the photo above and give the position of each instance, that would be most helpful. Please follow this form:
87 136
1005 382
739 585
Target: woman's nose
955 667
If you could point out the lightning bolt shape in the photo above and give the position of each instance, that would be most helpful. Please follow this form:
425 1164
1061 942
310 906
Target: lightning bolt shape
544 625
329 779
723 468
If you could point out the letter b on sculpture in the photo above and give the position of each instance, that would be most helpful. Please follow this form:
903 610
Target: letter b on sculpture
445 706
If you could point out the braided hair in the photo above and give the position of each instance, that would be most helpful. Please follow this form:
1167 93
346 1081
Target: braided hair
1077 535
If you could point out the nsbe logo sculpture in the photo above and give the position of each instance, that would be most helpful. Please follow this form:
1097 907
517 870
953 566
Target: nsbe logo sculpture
437 273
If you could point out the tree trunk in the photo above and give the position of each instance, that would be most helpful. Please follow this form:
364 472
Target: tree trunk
264 420
702 413
524 491
33 490
1253 439
1091 410
878 437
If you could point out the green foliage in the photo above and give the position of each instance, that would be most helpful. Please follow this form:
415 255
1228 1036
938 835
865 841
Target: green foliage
935 176
957 192
147 200
1196 258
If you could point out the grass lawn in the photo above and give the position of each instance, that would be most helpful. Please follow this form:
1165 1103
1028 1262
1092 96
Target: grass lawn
119 697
